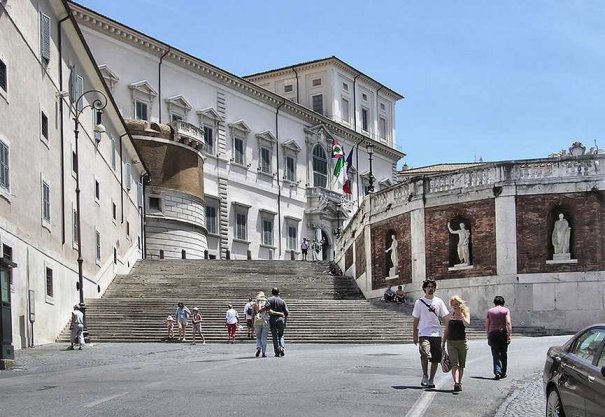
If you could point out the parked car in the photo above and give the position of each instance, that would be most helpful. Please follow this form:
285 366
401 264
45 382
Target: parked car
574 375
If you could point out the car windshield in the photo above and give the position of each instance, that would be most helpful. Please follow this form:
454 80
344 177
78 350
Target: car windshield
587 345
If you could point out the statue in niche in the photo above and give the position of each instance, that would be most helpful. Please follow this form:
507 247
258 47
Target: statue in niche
394 256
560 236
464 237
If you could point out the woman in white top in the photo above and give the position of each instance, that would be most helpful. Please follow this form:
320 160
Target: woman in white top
231 319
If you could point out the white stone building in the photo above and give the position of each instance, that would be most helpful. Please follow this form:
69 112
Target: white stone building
44 67
268 139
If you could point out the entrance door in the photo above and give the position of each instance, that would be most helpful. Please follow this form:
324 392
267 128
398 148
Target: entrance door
5 316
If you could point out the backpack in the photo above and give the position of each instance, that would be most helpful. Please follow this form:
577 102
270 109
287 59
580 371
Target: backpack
249 311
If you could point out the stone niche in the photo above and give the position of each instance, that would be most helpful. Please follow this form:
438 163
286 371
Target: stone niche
381 233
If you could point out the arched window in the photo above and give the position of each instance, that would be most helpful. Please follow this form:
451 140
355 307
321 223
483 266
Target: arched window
320 167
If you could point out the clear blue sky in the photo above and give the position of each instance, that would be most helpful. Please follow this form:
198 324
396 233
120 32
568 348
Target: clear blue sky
498 80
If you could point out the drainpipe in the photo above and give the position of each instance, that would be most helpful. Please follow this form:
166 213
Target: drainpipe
355 129
278 179
60 47
297 96
160 84
144 178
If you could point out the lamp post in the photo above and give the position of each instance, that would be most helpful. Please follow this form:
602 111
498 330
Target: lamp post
98 104
370 149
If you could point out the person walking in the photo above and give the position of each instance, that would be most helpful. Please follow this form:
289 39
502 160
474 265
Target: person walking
196 324
77 328
261 324
182 315
231 320
278 314
248 314
427 330
304 248
499 329
455 335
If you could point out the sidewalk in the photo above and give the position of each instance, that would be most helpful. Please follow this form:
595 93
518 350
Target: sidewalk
526 399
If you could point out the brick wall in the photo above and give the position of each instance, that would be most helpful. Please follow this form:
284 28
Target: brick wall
479 216
360 255
172 166
381 240
536 215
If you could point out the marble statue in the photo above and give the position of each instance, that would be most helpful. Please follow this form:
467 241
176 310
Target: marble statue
394 256
560 236
464 237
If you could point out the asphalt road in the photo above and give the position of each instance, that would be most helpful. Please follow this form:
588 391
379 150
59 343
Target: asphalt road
227 380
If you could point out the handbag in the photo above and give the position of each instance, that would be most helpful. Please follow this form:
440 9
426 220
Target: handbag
446 365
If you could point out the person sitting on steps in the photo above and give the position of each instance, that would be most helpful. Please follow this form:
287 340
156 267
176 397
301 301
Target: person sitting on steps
400 295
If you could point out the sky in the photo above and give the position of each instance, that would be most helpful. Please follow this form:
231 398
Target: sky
490 80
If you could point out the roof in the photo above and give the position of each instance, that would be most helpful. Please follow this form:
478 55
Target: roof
325 61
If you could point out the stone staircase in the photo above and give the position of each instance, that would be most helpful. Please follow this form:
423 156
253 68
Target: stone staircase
323 308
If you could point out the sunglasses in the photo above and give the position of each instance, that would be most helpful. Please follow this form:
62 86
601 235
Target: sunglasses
430 286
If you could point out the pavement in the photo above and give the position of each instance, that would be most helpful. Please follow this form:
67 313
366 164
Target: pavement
155 379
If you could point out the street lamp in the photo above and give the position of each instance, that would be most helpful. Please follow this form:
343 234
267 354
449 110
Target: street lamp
370 149
98 104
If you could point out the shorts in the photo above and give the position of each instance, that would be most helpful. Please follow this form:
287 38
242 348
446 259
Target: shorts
457 350
304 251
182 322
430 348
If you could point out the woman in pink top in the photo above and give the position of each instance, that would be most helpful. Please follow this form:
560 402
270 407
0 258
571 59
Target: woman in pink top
499 328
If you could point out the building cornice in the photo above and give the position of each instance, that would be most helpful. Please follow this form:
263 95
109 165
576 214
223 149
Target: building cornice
134 38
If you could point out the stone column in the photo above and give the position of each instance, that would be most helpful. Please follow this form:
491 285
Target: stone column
418 245
506 232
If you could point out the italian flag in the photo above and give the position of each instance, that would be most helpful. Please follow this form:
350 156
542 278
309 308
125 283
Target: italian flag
346 188
340 171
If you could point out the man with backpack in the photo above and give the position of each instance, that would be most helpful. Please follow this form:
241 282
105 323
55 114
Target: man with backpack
427 313
248 314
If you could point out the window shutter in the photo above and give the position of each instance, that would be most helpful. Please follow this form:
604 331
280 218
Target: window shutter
3 78
72 84
128 176
45 37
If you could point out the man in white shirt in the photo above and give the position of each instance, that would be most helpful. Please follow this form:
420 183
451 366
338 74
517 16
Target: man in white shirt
77 328
231 320
427 330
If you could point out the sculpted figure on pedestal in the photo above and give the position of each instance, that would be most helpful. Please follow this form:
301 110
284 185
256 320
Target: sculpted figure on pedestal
394 256
464 236
560 235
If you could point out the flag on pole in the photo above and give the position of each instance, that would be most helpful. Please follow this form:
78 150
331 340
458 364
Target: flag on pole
339 166
347 187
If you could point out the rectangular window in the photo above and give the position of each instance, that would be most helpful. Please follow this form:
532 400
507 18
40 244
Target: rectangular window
45 38
382 127
114 152
364 119
290 169
3 76
74 162
128 179
288 88
154 204
318 103
45 201
345 86
292 237
4 166
211 219
140 112
382 106
240 225
268 232
345 110
44 125
239 157
364 97
316 82
209 139
97 190
127 228
98 246
175 117
49 282
7 253
75 228
265 160
114 210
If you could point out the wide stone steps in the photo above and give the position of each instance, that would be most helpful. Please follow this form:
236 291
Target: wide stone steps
323 308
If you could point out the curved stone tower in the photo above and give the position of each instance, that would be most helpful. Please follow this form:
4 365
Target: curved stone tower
175 223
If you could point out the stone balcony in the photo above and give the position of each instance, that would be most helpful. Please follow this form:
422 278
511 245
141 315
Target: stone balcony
188 134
